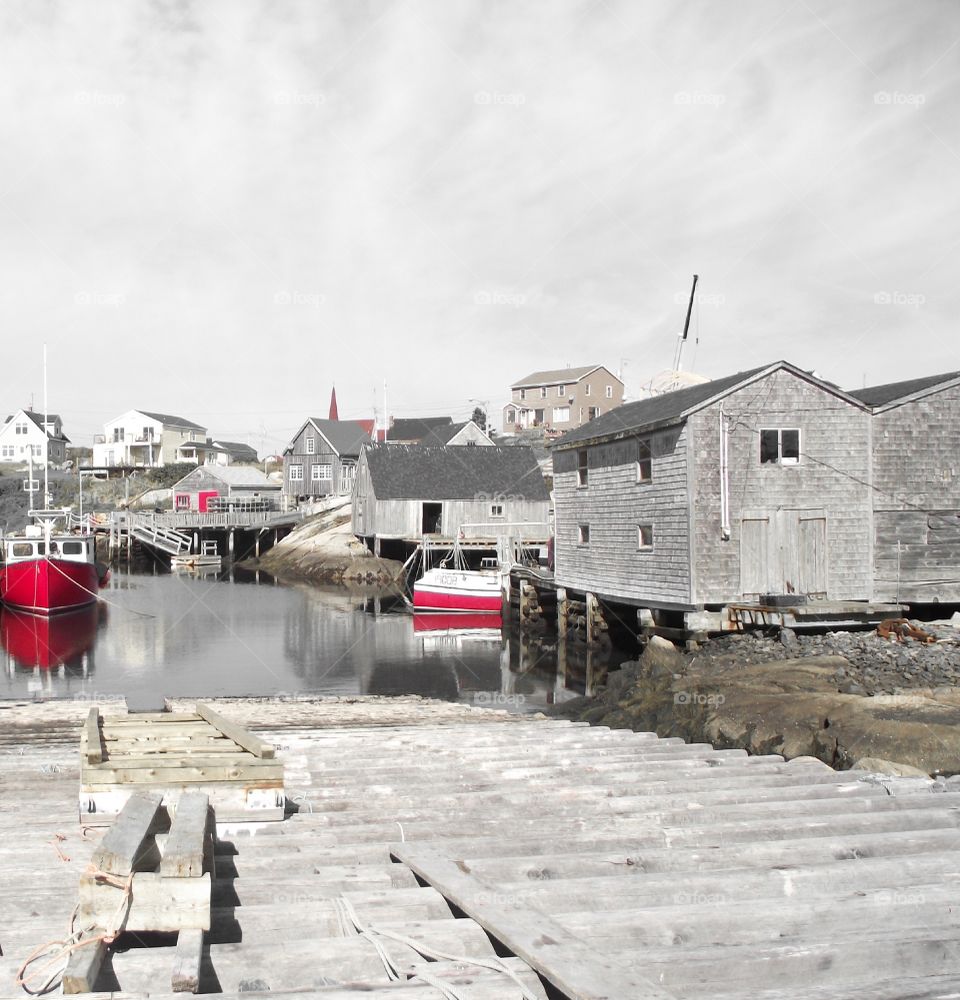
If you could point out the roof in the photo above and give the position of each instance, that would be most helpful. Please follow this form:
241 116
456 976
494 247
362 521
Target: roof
169 418
416 428
234 475
39 419
236 449
419 472
445 434
559 376
346 437
673 407
881 395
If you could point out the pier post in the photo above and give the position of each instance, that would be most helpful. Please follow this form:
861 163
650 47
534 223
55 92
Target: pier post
591 607
563 612
256 545
230 542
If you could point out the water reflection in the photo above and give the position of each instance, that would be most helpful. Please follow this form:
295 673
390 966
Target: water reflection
234 635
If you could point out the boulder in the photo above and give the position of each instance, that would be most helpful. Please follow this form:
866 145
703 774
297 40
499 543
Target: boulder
877 765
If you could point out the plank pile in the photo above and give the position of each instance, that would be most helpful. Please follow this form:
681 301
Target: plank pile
141 881
170 751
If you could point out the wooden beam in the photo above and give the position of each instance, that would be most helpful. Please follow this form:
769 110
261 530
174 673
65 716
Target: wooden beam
186 962
156 903
575 969
91 731
83 966
183 854
238 734
128 845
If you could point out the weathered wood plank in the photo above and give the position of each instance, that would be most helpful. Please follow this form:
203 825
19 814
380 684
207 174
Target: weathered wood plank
156 903
184 773
128 845
91 733
83 967
574 969
238 734
184 850
186 963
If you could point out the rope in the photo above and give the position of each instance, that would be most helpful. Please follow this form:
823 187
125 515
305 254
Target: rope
372 934
58 951
96 594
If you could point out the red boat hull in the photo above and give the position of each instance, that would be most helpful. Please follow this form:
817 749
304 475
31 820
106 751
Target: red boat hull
47 641
440 622
433 600
46 586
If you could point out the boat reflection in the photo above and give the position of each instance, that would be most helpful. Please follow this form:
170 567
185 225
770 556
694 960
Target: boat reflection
49 642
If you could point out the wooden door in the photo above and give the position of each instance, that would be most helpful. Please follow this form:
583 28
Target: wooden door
812 554
754 555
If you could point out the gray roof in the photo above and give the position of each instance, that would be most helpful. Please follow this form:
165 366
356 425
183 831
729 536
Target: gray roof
38 419
559 376
418 472
416 428
444 434
170 418
236 449
346 437
880 395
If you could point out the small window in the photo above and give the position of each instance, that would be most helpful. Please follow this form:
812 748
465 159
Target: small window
593 412
561 390
311 445
583 534
523 393
496 510
543 392
183 501
22 549
644 461
296 473
582 467
72 548
644 536
586 389
511 416
609 392
779 447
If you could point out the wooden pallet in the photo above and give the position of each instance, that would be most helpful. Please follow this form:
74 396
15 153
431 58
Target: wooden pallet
170 752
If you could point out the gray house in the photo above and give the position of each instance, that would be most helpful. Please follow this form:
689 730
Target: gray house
916 495
322 458
209 488
757 483
403 492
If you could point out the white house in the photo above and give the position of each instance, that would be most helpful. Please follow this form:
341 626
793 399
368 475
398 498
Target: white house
143 438
22 435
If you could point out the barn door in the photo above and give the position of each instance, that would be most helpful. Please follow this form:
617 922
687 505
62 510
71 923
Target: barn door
754 555
812 554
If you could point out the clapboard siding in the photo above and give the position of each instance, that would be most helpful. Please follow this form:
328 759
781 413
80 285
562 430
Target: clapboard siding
831 477
323 455
916 471
614 504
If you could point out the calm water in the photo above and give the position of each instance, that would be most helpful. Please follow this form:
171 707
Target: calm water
184 636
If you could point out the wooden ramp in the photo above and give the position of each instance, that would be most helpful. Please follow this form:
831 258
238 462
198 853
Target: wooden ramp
173 751
502 858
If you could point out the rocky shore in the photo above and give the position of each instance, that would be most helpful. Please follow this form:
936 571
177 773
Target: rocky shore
324 549
842 697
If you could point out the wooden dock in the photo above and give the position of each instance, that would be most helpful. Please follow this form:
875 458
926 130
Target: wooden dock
477 855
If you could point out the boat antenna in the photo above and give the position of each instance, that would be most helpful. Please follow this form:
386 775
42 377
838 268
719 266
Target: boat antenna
686 326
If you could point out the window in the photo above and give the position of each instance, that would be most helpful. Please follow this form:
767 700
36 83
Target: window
644 536
320 473
183 501
8 451
72 548
118 434
22 549
583 534
148 434
780 446
561 390
593 412
561 414
586 389
582 467
311 445
511 416
609 392
496 510
21 428
296 473
543 392
523 393
644 461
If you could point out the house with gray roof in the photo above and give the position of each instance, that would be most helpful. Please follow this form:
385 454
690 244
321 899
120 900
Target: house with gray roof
753 484
321 460
561 399
211 488
148 438
915 458
403 492
29 436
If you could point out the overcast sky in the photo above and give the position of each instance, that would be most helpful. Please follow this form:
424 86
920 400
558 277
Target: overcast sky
218 209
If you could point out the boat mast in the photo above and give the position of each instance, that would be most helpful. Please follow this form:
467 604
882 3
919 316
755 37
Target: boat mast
46 457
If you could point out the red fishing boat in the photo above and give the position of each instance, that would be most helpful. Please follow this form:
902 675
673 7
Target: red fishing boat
48 641
46 572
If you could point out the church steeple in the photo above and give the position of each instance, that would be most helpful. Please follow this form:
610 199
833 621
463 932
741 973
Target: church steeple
333 404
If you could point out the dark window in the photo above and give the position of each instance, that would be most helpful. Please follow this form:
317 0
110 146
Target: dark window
583 534
780 447
644 461
645 536
582 467
72 548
